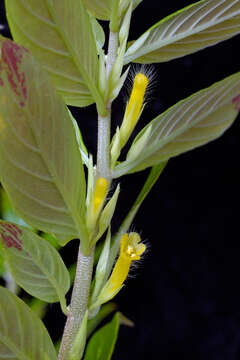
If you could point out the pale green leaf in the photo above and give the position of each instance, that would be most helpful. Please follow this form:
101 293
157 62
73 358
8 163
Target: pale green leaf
102 9
6 210
186 31
81 144
22 334
98 32
40 162
190 123
100 273
102 343
35 265
105 310
59 34
107 214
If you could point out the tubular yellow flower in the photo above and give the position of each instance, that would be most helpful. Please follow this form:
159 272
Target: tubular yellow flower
100 193
137 96
131 249
96 203
134 106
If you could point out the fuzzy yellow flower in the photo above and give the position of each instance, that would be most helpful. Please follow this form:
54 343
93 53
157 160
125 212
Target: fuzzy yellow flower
131 249
134 107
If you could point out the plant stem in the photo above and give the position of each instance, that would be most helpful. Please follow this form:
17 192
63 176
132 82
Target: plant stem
103 154
82 282
104 123
112 51
78 304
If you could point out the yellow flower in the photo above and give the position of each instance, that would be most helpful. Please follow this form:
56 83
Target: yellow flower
134 107
96 202
131 249
100 193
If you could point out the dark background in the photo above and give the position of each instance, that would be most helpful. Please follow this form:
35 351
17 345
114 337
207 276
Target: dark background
184 298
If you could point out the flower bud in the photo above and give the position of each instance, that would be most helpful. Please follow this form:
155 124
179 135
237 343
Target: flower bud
100 193
134 107
96 202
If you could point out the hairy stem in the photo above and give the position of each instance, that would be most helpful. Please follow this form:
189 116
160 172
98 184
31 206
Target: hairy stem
79 303
103 154
82 283
112 51
104 123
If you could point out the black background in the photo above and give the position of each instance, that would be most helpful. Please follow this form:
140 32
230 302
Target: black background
184 296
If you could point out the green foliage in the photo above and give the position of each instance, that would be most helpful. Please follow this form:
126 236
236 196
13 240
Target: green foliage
105 310
42 153
6 210
101 268
102 343
190 123
103 9
22 335
186 31
35 265
100 9
67 50
107 214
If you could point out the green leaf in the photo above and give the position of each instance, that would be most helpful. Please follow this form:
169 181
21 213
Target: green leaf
2 267
6 210
38 306
100 273
188 30
40 162
102 343
107 214
35 265
98 32
22 334
105 310
190 123
82 146
51 240
102 9
67 50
